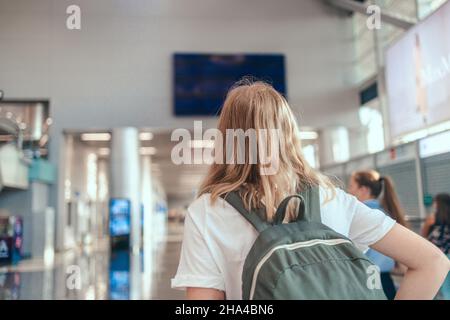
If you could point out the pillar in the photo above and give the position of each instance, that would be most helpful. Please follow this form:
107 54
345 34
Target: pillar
125 176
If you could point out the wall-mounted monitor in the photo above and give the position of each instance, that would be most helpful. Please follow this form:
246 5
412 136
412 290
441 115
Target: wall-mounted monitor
418 75
201 81
119 217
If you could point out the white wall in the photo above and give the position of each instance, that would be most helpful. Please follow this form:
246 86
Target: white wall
117 70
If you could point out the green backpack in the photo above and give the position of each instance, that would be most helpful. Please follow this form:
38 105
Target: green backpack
304 259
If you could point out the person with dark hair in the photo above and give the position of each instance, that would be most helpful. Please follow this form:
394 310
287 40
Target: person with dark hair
437 230
378 192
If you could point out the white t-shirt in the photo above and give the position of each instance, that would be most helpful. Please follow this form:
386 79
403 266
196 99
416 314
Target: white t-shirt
217 239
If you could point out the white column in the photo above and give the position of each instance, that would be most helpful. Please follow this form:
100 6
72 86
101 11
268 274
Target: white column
102 198
125 176
148 241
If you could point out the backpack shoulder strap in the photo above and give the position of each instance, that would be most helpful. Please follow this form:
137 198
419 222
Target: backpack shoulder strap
312 204
234 199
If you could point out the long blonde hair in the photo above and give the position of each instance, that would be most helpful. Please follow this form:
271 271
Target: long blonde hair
257 105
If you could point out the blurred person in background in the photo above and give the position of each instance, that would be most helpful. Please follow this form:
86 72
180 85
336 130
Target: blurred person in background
177 214
378 192
437 230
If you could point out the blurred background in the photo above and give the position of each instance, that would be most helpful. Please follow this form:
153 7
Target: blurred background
91 204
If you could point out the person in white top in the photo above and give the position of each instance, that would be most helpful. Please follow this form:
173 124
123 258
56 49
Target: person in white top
217 238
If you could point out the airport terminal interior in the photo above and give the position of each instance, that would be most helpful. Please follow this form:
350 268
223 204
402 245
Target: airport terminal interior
97 98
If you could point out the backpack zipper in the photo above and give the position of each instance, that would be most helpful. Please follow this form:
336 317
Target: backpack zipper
292 246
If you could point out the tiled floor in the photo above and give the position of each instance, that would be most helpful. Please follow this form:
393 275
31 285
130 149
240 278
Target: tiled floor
92 273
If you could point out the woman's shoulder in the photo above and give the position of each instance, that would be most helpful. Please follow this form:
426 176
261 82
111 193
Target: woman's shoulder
336 203
334 195
216 216
204 204
197 211
200 201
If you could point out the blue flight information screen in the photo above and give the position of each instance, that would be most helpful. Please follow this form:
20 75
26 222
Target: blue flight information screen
119 217
201 81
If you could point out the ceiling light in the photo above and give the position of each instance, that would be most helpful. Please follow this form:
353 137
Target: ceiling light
308 135
95 137
148 151
145 136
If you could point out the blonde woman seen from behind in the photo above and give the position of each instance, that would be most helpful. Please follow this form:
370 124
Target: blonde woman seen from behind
217 238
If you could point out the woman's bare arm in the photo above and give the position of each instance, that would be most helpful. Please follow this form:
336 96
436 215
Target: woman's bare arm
427 265
204 294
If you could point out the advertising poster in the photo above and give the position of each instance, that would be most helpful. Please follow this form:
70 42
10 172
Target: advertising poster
418 75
